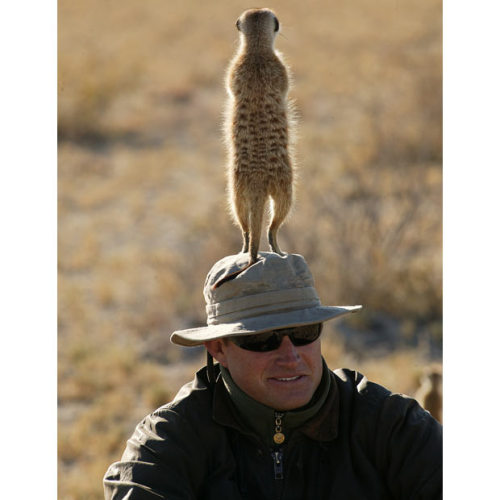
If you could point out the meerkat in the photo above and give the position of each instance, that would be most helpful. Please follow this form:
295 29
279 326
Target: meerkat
430 392
258 125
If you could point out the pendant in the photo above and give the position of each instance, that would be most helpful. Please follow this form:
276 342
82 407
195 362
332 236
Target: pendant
279 438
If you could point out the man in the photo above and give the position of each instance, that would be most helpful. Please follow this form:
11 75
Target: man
270 420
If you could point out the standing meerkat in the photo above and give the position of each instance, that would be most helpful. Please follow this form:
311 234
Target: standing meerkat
257 130
430 392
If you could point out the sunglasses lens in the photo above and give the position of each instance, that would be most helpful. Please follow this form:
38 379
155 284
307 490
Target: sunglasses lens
305 334
261 342
269 341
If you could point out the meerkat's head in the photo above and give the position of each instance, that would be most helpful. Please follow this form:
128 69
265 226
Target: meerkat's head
258 26
432 376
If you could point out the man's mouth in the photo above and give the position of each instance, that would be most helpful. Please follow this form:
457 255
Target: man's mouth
287 379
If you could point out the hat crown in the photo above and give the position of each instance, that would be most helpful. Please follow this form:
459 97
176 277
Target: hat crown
272 272
271 284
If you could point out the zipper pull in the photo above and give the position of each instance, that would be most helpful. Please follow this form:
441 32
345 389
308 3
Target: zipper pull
278 464
278 437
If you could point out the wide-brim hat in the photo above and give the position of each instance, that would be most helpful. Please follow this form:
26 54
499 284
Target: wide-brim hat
275 292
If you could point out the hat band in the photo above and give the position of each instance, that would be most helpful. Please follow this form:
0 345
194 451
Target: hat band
230 311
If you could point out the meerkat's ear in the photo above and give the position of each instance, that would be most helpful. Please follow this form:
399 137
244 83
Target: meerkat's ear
238 24
276 24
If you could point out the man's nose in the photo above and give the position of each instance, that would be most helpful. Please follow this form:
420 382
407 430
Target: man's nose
287 352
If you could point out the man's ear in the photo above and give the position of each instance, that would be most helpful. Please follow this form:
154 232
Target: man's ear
217 348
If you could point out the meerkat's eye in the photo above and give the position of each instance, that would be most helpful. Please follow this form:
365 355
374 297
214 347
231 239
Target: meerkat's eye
238 25
276 24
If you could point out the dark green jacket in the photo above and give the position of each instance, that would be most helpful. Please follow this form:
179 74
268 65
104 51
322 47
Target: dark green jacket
364 443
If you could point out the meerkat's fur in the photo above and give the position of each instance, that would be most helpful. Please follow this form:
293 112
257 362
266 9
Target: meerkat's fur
258 128
430 392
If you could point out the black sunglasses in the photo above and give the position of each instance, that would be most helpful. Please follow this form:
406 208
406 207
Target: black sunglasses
269 341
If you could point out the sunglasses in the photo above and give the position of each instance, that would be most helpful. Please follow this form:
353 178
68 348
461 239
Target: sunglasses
269 341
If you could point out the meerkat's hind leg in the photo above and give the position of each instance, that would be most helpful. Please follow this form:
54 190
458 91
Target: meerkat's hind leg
256 215
246 240
281 206
241 216
273 242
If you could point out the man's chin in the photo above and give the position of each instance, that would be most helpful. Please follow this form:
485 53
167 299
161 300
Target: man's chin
287 398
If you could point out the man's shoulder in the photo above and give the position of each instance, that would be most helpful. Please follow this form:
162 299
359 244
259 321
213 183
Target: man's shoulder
359 394
356 383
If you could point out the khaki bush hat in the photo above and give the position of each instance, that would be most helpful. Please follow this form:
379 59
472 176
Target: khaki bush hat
275 292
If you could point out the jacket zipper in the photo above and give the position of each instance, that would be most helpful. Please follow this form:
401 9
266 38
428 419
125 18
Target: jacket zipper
278 439
278 464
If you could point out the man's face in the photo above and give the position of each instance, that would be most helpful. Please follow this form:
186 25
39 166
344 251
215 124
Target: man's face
284 379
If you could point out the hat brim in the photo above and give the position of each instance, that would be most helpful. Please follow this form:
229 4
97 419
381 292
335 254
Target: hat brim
260 324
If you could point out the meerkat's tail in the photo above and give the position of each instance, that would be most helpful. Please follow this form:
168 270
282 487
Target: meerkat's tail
231 276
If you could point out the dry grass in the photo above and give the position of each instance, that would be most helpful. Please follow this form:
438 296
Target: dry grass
142 212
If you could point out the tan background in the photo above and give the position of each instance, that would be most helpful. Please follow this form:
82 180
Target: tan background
142 205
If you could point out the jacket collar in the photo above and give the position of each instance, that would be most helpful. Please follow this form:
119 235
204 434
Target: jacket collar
321 427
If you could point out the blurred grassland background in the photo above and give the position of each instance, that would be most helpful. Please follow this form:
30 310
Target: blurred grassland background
142 210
